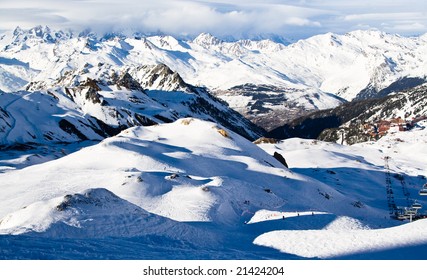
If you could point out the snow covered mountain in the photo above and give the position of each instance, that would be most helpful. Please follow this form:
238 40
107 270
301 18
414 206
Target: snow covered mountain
360 121
271 107
207 192
256 77
95 102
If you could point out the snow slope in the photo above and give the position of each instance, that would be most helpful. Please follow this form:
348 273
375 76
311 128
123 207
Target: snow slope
361 171
344 239
196 183
92 214
190 170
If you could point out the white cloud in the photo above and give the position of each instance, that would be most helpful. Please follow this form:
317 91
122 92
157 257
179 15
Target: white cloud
289 18
409 27
383 16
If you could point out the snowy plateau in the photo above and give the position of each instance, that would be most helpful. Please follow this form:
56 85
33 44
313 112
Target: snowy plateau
124 148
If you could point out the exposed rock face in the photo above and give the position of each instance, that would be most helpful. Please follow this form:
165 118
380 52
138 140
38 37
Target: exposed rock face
91 88
280 158
265 140
71 129
127 81
160 77
91 84
92 96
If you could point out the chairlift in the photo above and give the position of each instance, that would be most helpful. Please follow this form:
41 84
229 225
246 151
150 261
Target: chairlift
410 211
423 191
416 205
401 217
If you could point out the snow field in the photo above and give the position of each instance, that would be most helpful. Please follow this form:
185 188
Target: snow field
194 180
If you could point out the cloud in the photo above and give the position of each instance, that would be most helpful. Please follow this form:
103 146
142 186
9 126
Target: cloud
413 27
32 15
289 18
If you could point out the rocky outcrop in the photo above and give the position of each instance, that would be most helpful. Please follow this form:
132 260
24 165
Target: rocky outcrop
281 159
127 81
71 129
160 77
265 140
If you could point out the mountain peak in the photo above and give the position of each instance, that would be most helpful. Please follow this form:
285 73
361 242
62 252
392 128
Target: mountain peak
18 30
38 34
265 44
206 40
161 77
39 31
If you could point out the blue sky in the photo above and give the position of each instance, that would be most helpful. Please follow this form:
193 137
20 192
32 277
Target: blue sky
291 19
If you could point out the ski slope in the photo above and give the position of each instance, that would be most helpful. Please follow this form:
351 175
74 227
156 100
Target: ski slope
354 170
197 187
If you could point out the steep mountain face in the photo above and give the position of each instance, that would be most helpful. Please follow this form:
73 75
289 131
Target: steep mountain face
360 121
401 84
95 102
293 78
362 62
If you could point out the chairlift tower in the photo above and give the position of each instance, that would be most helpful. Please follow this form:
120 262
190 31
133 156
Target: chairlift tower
389 189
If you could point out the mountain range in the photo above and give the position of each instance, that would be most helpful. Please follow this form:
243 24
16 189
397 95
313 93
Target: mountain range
151 147
259 79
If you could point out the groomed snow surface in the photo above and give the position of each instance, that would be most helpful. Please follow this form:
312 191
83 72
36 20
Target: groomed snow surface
195 190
